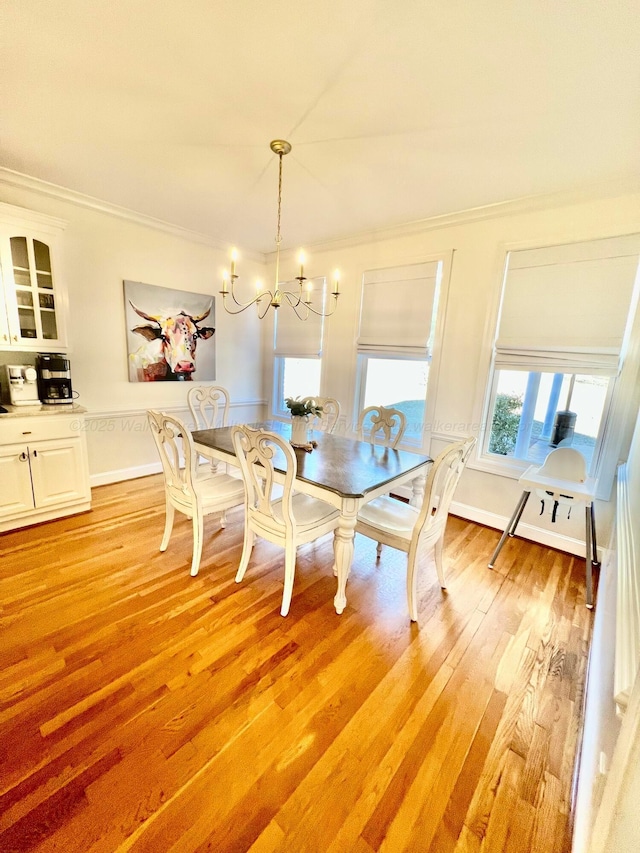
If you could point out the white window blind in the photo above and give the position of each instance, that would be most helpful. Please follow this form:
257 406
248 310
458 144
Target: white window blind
565 308
398 308
296 338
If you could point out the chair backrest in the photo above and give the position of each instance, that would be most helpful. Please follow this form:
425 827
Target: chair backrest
381 425
174 442
326 422
441 484
565 463
209 406
256 450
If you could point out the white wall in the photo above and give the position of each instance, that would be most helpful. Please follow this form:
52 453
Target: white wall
478 262
99 251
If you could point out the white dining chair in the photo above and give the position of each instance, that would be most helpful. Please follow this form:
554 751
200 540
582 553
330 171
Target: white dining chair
328 419
418 530
381 425
290 520
186 490
209 406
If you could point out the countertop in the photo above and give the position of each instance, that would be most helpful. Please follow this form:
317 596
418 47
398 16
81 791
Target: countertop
35 411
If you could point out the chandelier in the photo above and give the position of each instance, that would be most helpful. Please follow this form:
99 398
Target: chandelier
300 299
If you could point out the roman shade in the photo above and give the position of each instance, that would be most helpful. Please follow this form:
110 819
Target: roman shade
565 308
397 311
295 338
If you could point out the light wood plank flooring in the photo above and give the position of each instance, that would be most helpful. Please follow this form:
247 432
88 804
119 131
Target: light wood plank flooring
145 710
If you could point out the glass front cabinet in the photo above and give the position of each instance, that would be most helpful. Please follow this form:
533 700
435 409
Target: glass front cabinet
32 304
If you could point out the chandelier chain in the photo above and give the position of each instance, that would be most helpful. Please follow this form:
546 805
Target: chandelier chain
278 237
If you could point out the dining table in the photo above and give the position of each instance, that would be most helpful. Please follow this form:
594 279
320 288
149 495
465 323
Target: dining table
344 472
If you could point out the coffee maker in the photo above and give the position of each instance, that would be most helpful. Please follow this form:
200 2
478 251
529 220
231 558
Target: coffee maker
54 379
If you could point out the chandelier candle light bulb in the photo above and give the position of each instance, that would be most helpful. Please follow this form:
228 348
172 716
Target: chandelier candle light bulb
300 299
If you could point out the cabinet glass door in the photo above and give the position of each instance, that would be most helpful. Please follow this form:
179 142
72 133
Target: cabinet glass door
33 281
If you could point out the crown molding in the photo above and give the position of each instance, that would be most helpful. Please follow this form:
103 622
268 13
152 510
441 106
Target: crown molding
11 178
23 216
525 204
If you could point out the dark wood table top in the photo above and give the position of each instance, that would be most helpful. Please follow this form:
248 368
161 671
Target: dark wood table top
345 466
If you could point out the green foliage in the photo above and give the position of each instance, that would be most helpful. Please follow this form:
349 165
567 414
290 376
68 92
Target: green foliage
299 408
506 420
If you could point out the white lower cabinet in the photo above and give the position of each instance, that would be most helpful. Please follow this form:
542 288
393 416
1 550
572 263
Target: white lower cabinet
44 472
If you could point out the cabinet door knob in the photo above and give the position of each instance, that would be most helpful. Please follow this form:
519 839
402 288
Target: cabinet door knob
23 457
15 338
35 452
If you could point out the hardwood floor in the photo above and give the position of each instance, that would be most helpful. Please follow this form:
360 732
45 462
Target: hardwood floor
145 710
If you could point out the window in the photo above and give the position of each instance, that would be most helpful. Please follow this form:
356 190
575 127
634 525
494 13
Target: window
564 320
298 354
295 377
395 341
534 412
397 383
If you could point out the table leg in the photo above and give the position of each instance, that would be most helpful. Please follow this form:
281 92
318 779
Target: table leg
510 529
588 544
417 489
343 550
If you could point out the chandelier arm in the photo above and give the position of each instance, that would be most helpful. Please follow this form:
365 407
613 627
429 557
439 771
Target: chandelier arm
295 302
233 296
325 313
292 296
240 310
263 313
244 305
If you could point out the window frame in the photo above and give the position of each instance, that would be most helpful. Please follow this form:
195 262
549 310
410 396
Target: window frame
432 355
361 384
278 383
515 465
620 392
278 409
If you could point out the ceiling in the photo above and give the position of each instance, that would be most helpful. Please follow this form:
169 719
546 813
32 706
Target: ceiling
397 111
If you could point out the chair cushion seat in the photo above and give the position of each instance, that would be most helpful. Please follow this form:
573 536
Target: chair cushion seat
309 512
392 516
219 489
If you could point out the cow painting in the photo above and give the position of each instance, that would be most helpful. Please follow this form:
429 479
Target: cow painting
171 337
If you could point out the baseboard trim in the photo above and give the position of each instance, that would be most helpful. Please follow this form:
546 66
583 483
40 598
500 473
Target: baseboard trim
548 538
118 476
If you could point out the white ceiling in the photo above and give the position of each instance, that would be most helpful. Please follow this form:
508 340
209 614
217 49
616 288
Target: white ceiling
397 111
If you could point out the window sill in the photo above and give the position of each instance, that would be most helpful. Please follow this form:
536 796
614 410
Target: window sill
512 469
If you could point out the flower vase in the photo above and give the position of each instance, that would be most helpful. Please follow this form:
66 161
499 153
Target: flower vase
299 430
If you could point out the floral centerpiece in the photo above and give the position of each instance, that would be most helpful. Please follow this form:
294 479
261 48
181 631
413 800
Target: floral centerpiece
301 410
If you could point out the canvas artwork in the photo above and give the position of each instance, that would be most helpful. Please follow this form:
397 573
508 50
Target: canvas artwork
170 334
